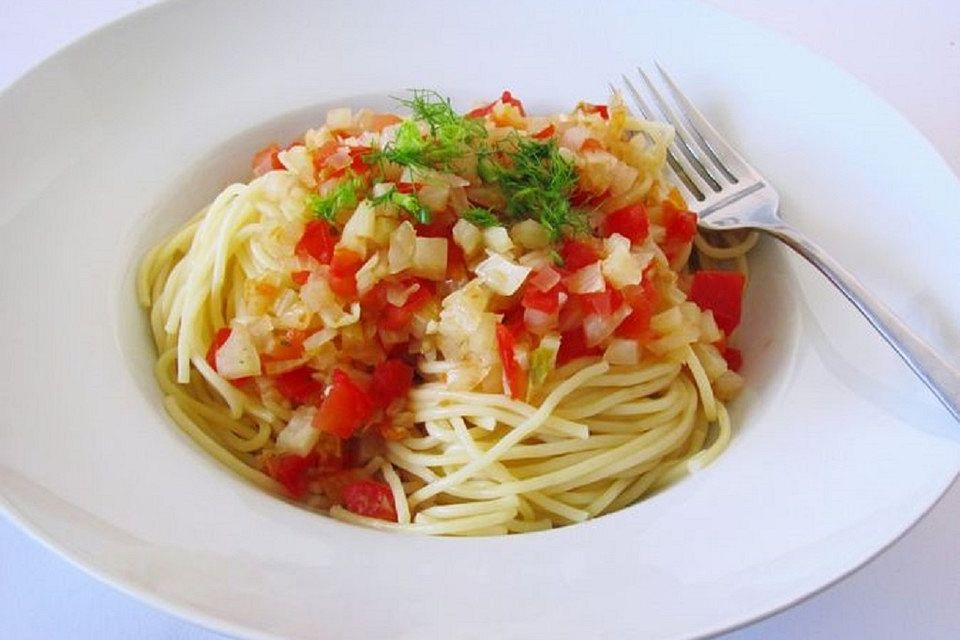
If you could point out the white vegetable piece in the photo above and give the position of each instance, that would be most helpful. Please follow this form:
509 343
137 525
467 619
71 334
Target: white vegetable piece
430 258
298 161
621 267
497 239
501 275
621 351
403 243
299 436
530 234
373 271
319 298
597 328
589 279
468 237
361 227
237 357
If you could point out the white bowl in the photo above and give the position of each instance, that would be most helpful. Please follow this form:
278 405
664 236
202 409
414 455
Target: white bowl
120 137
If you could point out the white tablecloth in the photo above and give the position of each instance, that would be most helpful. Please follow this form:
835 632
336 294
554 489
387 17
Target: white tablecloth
907 52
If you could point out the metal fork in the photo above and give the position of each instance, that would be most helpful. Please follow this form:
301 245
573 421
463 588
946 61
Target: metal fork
730 194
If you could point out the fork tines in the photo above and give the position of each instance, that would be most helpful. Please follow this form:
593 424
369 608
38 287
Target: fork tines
702 161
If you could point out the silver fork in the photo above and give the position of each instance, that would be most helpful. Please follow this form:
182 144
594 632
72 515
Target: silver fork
730 194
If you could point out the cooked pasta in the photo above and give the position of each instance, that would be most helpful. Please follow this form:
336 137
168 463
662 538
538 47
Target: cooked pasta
453 324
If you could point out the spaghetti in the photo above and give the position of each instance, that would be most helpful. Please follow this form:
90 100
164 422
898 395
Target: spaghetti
453 324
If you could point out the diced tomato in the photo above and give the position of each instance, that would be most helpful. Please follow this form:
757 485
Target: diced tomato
586 107
603 303
545 133
734 358
357 154
334 484
290 470
630 222
513 321
481 112
392 379
345 408
299 385
318 241
642 299
374 300
300 277
343 273
456 263
577 254
381 120
507 98
371 499
440 226
407 187
395 318
266 160
545 301
583 198
722 293
513 373
591 144
288 346
573 345
681 225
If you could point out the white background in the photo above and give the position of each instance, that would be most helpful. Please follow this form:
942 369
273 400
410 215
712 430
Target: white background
906 52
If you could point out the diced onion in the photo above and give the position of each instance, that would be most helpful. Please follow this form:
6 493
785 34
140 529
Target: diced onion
430 258
501 275
397 296
530 234
574 137
622 178
621 267
359 228
709 331
372 272
317 339
598 328
545 278
434 196
238 357
539 322
497 239
468 237
297 160
403 244
621 351
667 321
319 298
276 367
299 436
589 279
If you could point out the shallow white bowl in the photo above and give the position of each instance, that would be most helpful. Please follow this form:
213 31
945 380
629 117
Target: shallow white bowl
120 137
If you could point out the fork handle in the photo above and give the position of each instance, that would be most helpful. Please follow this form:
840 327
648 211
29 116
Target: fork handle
933 370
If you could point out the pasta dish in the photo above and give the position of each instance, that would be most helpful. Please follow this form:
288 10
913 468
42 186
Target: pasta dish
453 323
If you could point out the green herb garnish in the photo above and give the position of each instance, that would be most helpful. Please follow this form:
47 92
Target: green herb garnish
450 135
344 196
538 183
409 202
481 217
